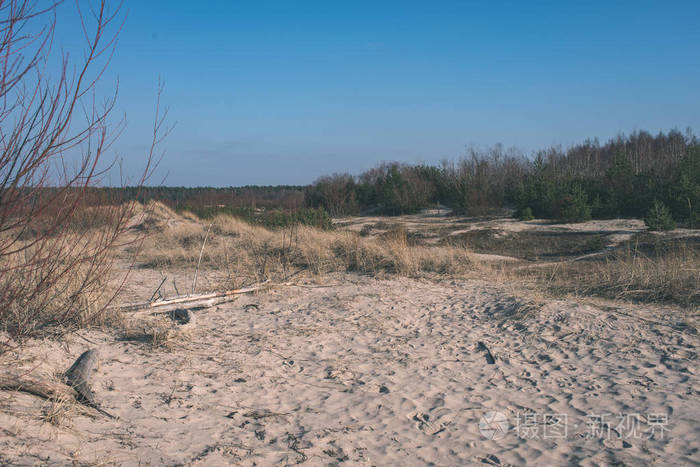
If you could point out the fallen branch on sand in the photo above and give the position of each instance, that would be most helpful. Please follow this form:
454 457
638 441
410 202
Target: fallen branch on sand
36 385
77 385
200 300
78 377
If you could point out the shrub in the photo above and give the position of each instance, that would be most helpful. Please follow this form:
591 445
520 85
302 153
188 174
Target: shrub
572 206
594 243
317 218
57 232
335 194
659 217
526 214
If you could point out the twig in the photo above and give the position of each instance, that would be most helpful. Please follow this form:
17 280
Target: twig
158 289
648 321
307 286
199 261
84 338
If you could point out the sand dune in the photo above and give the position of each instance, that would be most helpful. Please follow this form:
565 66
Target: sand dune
383 372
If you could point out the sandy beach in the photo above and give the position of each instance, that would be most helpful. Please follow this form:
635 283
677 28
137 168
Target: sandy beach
380 372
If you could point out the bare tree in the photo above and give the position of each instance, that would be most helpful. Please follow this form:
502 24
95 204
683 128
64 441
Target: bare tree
56 235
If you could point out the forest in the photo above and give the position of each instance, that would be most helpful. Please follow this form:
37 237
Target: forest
640 175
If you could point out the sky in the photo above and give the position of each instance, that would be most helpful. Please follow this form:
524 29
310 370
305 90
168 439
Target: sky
284 92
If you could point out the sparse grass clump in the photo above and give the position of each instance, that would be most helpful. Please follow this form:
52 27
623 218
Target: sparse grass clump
56 411
529 245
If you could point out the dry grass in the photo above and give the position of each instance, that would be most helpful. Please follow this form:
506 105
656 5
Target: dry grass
59 279
664 274
651 271
57 411
72 291
251 253
157 332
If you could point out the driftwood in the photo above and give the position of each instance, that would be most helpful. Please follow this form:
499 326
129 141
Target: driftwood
78 377
35 384
209 299
77 380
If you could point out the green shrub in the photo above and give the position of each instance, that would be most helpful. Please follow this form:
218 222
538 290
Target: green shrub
659 217
594 243
573 206
318 218
526 214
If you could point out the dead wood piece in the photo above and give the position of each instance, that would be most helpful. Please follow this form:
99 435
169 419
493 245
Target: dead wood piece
34 384
77 380
182 316
489 356
208 299
78 377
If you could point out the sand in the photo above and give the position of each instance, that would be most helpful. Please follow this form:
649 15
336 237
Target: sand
381 372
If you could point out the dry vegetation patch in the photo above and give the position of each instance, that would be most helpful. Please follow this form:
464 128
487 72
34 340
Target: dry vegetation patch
61 279
662 271
560 261
250 253
529 245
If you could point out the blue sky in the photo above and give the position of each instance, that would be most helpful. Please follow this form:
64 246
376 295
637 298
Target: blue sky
283 92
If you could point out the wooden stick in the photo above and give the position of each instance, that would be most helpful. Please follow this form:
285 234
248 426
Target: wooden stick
44 387
77 378
158 289
192 299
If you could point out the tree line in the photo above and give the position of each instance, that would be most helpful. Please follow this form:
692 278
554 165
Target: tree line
628 176
636 175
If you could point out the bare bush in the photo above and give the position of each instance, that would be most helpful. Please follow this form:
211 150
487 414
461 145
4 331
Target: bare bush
56 232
